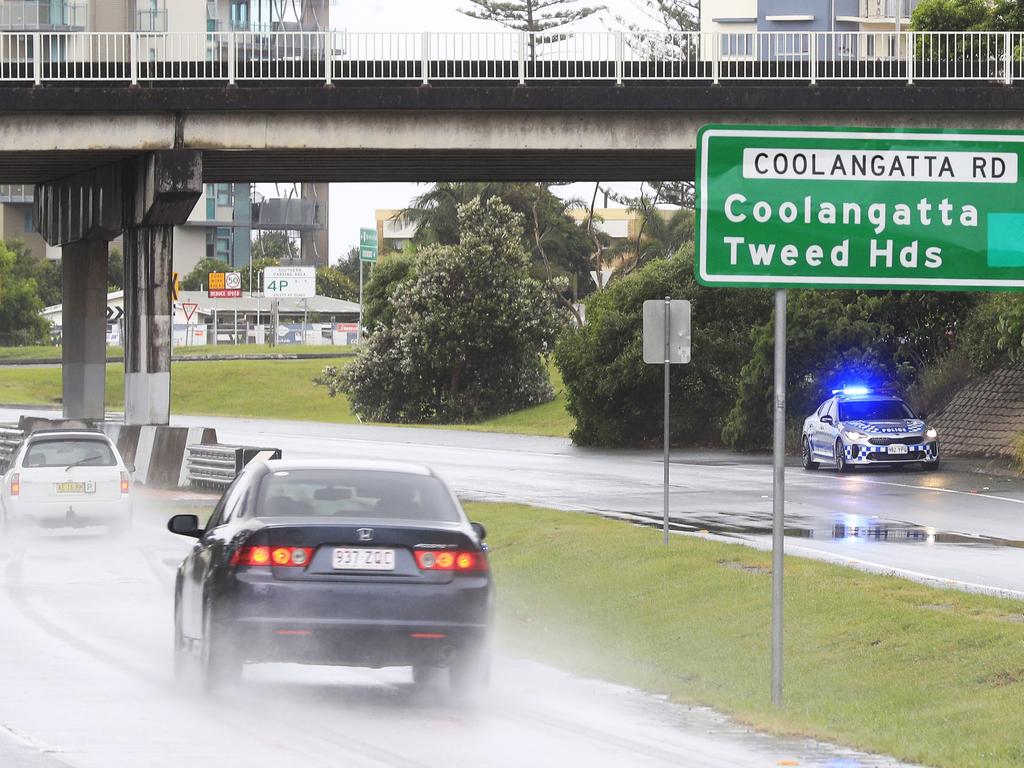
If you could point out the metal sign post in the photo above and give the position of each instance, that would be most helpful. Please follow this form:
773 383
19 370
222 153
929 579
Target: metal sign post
367 253
778 493
666 340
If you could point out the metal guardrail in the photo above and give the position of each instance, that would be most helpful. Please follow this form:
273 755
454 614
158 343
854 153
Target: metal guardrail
514 57
10 439
216 466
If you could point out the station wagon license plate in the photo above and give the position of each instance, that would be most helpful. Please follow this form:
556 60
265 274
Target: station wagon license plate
364 559
88 486
900 449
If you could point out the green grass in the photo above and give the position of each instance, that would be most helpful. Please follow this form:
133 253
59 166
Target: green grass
54 353
270 389
883 664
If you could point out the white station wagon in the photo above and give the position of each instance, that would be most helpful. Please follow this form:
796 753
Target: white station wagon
66 478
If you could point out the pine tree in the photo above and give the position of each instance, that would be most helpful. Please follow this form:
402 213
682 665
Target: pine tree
536 16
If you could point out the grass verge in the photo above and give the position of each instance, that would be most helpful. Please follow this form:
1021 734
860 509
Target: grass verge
270 389
882 664
50 352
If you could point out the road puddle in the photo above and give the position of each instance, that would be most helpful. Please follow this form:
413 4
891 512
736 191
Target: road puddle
846 527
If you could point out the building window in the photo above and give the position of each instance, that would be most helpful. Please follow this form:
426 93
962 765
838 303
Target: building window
211 202
29 222
222 250
224 197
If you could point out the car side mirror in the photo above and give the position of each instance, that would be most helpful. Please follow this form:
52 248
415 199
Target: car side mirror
185 525
481 532
827 420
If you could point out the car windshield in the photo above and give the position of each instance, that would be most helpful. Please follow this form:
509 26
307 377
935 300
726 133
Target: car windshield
357 494
65 452
874 410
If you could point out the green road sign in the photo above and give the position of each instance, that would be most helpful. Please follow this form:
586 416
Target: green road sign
860 208
368 244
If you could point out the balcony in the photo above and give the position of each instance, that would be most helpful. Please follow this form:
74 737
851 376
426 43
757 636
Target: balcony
43 16
291 214
151 20
885 10
16 193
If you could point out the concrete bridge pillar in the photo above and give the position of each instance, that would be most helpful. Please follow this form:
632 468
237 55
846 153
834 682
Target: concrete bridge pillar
84 328
148 253
162 188
145 198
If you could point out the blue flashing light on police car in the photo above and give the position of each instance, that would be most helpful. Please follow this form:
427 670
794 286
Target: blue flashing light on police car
863 426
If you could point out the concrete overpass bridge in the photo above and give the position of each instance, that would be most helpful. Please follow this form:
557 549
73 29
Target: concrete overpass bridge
119 131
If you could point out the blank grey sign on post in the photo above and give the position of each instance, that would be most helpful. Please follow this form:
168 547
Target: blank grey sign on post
654 331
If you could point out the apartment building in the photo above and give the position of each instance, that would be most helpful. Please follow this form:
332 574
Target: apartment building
875 20
222 223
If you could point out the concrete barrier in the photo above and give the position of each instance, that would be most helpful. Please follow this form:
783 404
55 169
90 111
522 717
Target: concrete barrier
158 453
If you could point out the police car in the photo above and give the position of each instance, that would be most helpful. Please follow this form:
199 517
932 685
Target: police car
858 426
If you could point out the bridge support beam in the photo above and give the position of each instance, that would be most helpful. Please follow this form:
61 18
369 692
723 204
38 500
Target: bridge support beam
145 198
84 328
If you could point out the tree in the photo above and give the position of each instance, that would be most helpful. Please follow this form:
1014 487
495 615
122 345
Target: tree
274 245
950 15
534 16
379 291
199 277
467 333
616 398
115 270
835 338
331 281
20 305
561 255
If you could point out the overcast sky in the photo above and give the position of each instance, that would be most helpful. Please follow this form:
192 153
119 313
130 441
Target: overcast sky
353 205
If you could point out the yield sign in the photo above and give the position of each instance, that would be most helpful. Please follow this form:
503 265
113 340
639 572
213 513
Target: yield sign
189 309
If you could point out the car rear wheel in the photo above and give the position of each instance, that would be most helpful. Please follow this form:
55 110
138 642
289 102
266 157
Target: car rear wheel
220 664
469 671
840 454
805 455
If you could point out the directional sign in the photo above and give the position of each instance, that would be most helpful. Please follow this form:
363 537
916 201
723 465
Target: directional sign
289 282
860 208
368 244
189 309
114 314
175 286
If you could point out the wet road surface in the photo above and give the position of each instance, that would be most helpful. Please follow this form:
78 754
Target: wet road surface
85 659
950 527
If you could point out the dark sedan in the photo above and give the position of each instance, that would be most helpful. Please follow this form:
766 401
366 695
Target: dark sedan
347 563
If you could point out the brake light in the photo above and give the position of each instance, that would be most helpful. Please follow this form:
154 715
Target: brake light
428 560
15 484
124 482
283 556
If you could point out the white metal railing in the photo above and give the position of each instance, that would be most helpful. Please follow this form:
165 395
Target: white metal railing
615 57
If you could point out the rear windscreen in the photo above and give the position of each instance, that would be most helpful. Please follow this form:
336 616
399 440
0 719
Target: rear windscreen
362 494
66 452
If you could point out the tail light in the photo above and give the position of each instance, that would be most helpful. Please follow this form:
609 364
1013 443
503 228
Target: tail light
428 560
292 557
124 482
15 484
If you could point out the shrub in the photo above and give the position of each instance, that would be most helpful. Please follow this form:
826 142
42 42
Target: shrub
616 398
465 334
